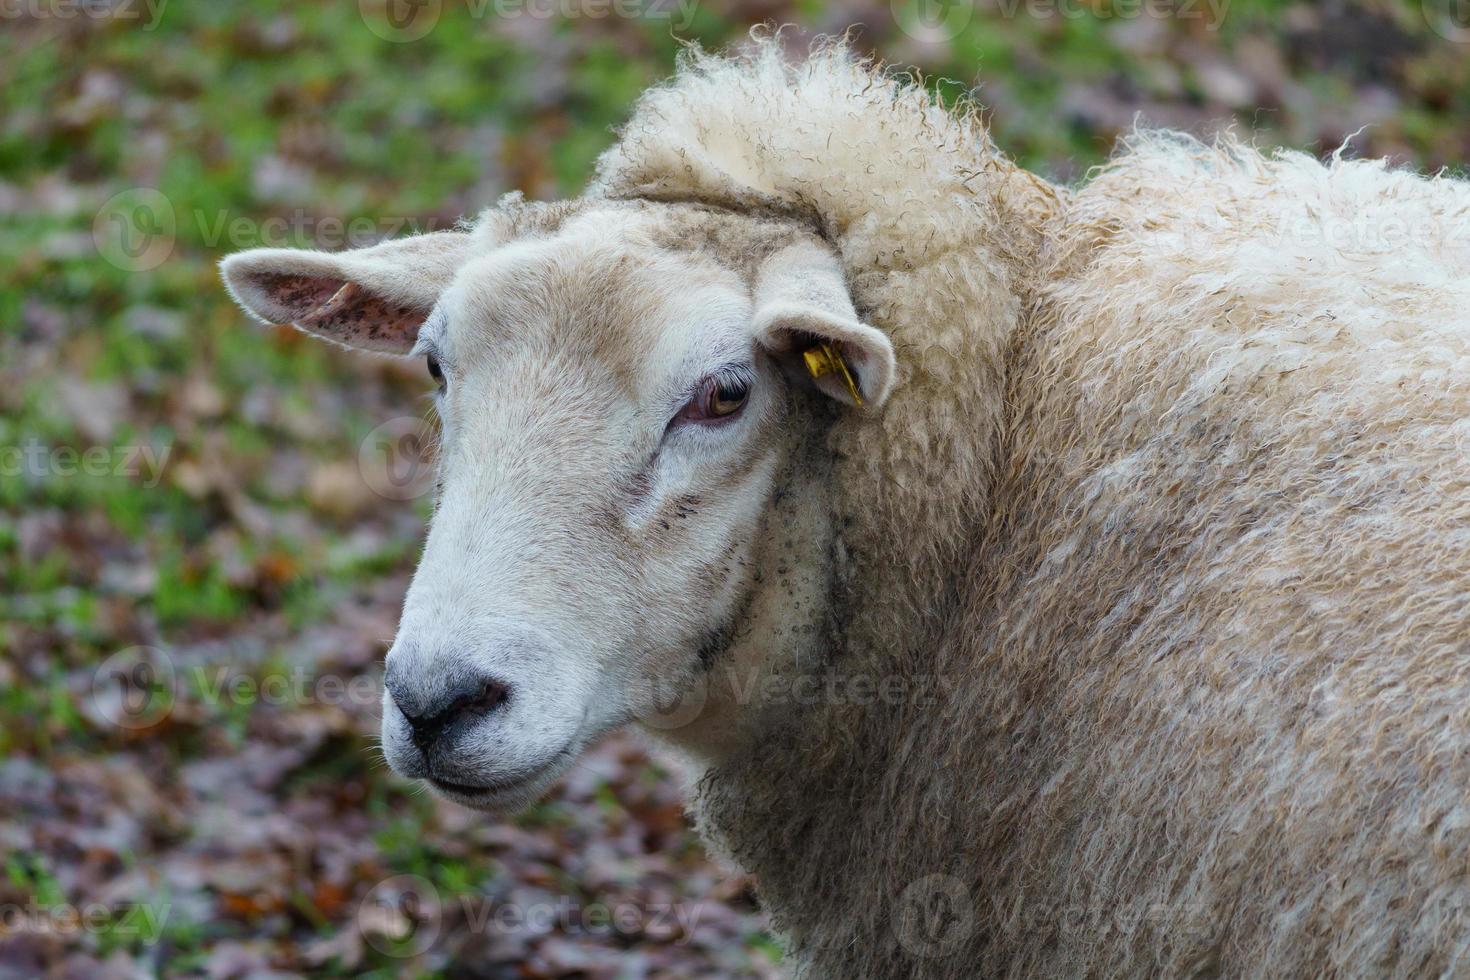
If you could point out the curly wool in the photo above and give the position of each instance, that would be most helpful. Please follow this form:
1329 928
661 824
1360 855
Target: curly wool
1168 522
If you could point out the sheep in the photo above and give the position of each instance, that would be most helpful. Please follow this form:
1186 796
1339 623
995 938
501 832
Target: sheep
1118 535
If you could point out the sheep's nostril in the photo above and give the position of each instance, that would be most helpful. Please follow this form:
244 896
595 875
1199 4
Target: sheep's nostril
492 695
428 722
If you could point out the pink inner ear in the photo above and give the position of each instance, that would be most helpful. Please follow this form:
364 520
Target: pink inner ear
346 312
300 295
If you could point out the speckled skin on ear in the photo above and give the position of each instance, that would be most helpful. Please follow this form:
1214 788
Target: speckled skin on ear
372 298
356 317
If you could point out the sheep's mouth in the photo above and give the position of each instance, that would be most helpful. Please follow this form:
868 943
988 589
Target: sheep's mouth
464 789
491 794
491 788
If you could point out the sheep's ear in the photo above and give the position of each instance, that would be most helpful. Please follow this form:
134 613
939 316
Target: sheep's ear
804 314
373 298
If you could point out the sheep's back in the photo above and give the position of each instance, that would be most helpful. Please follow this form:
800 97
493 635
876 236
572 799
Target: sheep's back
1222 635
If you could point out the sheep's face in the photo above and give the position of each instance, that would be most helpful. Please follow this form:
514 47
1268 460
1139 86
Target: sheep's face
617 420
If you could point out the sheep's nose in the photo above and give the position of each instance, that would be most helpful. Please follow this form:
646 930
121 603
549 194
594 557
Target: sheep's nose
429 718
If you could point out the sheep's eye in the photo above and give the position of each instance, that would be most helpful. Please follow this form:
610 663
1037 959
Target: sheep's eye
726 397
720 397
435 371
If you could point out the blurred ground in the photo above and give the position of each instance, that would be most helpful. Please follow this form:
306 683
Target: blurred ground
205 530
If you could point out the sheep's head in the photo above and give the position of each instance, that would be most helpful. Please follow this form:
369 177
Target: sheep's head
631 487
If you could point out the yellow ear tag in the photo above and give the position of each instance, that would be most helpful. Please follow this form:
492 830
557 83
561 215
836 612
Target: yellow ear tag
823 359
